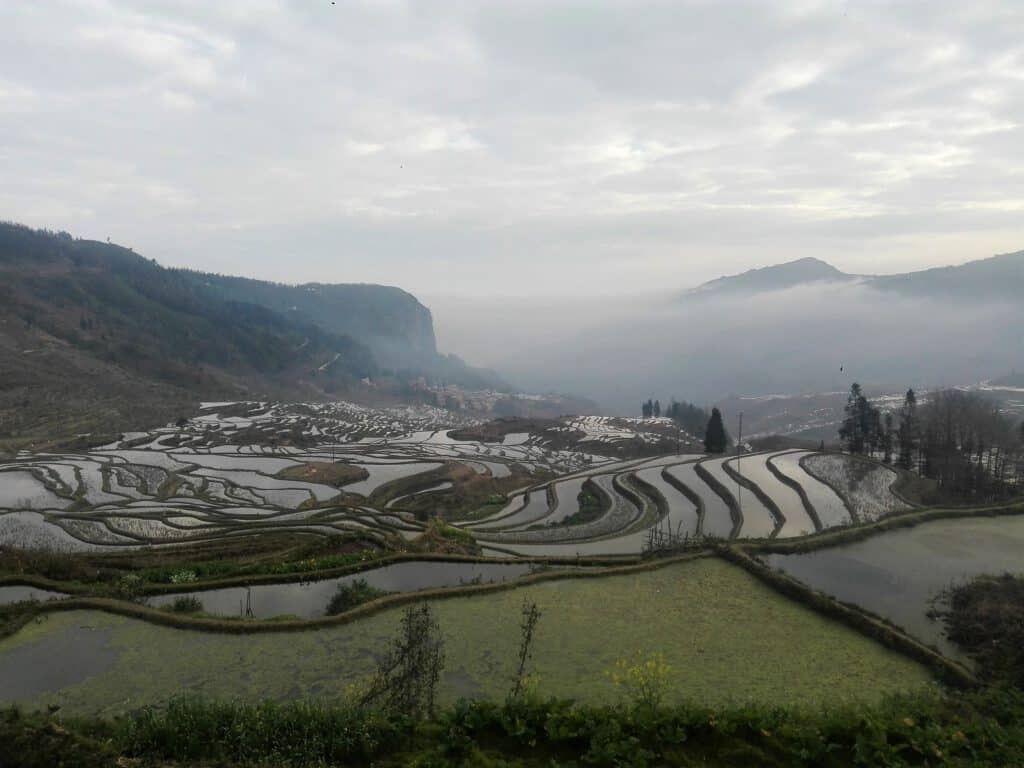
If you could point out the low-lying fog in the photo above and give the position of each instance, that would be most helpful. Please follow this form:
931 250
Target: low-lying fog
809 338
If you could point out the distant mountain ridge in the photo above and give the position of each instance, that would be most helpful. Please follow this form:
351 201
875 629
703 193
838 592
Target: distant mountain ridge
996 277
799 327
773 278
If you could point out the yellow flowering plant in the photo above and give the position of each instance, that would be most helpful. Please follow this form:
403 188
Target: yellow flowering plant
643 680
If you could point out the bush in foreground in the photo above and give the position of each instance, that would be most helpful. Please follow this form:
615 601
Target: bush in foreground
985 617
979 729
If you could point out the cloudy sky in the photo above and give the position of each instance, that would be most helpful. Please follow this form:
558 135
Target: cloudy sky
517 147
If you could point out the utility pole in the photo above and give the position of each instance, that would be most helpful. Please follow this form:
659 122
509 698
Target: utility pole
739 458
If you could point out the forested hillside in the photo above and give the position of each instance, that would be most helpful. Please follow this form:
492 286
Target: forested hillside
396 327
389 320
83 320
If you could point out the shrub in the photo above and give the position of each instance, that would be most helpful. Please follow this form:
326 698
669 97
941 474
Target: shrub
185 604
183 576
985 617
350 595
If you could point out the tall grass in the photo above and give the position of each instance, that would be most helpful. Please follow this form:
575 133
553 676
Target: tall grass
982 729
293 734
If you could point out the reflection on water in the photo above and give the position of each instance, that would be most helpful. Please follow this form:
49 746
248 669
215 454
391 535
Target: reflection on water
55 661
309 599
17 594
897 573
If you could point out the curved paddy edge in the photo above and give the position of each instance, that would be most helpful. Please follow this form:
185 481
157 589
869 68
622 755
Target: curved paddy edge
856 618
200 624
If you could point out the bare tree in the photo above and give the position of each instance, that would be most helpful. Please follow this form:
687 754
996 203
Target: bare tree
531 615
407 677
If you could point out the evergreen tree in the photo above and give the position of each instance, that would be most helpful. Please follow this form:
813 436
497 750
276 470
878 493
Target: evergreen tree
907 433
657 409
861 430
887 438
715 438
852 431
875 432
688 416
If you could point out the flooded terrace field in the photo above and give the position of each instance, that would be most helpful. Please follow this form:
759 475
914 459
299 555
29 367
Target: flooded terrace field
897 573
718 626
382 473
309 599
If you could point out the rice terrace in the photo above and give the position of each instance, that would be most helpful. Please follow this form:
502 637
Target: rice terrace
511 384
207 557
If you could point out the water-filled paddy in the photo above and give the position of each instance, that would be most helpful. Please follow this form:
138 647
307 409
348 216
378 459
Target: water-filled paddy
758 520
386 473
726 636
567 494
717 517
896 573
536 508
20 489
830 508
798 521
309 599
18 593
682 513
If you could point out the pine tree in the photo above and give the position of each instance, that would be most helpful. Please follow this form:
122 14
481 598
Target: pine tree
907 434
657 409
875 434
715 438
887 438
852 431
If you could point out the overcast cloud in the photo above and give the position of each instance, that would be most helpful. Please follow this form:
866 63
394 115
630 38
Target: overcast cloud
520 147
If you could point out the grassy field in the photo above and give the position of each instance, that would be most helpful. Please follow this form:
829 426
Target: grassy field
726 637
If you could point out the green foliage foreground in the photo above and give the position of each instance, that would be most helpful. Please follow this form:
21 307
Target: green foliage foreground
980 729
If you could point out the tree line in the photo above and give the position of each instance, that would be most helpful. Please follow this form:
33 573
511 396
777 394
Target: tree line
958 439
693 420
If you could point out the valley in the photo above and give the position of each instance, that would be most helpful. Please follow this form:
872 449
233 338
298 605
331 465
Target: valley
250 502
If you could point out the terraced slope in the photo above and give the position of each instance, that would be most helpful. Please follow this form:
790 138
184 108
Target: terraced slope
350 469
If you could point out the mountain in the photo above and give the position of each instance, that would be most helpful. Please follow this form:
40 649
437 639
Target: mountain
994 278
62 298
392 322
94 337
800 327
774 278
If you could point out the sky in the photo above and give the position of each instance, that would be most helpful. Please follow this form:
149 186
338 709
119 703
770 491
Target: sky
517 148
